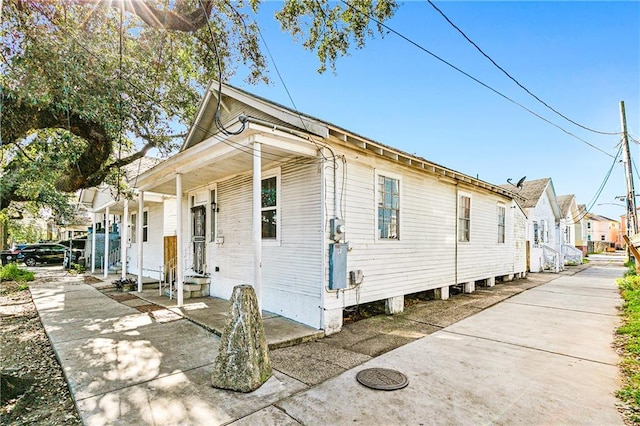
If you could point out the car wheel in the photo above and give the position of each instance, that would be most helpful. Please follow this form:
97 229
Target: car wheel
30 261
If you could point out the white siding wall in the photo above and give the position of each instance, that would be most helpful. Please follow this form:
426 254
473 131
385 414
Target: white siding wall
542 212
483 257
292 270
424 257
519 239
153 248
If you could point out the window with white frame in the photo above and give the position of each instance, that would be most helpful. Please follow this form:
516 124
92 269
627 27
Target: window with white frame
464 218
501 223
145 226
388 208
214 215
134 228
269 207
536 234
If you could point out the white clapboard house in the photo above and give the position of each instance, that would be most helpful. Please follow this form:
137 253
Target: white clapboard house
544 236
318 218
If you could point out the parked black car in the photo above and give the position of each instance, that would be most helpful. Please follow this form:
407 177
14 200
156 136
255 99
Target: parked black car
8 256
33 254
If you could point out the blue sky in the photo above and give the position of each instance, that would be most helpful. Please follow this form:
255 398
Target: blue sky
582 58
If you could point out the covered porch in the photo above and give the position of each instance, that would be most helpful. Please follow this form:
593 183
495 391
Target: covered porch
191 177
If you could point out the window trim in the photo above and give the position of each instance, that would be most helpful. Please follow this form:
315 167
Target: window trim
461 194
387 174
212 224
502 227
133 228
145 226
268 174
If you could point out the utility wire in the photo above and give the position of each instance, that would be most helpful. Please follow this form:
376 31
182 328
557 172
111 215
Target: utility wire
600 189
512 78
449 64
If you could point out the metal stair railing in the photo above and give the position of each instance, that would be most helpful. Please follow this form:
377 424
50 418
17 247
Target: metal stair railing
551 259
114 257
572 256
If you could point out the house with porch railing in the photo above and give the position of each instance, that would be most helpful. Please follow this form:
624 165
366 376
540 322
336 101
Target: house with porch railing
544 234
316 217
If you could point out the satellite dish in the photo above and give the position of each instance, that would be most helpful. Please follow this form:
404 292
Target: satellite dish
520 182
509 181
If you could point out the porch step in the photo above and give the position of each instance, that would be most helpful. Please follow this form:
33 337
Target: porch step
192 288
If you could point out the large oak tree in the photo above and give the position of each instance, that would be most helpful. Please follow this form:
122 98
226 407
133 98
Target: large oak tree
89 86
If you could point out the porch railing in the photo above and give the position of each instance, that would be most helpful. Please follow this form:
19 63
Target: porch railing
572 256
551 259
114 258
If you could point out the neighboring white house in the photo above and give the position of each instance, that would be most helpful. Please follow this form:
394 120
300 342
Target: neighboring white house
318 218
571 224
120 214
543 224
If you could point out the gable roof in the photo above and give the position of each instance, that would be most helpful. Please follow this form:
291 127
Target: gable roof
599 217
139 166
564 201
530 192
238 106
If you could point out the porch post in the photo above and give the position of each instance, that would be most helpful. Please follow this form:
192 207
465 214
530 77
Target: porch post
124 233
93 243
257 222
105 265
180 252
139 237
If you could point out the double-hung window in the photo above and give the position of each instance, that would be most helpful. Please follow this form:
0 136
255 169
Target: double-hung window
388 208
464 218
269 207
501 223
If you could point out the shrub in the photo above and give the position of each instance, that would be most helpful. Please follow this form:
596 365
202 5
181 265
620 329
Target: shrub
12 272
629 341
77 268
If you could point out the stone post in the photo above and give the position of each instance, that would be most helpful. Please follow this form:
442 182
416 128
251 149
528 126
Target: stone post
242 363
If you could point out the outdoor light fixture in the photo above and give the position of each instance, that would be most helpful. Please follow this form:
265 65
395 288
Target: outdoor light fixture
214 207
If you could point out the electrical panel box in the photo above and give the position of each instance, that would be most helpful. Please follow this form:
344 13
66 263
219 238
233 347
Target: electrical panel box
337 229
337 266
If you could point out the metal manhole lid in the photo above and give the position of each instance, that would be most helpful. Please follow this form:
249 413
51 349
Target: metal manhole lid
382 379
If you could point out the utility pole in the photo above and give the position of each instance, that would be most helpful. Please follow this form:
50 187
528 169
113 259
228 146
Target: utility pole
631 199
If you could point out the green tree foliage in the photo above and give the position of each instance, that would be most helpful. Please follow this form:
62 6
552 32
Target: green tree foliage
89 86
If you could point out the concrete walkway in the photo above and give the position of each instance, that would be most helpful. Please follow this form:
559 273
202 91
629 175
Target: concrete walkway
541 357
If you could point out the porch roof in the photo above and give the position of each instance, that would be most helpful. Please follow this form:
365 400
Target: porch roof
218 157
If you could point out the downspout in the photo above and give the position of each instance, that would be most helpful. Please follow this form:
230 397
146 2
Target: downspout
323 245
455 237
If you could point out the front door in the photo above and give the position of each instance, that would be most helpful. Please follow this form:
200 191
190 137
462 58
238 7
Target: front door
198 238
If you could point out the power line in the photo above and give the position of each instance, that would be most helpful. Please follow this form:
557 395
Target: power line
600 189
278 159
512 78
449 64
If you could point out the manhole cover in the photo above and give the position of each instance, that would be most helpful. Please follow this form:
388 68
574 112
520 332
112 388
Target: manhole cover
382 379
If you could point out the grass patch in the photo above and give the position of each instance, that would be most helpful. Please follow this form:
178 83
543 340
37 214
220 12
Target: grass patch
11 272
629 344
